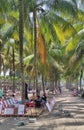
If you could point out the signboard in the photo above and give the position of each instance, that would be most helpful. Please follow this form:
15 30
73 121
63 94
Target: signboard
11 101
49 106
9 111
21 109
0 108
5 103
8 101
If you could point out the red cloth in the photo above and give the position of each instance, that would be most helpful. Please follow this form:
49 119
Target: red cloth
31 104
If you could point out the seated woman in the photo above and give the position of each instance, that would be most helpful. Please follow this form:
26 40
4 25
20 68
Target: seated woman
31 101
75 92
33 97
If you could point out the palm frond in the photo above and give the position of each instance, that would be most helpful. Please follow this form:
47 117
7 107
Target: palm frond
52 61
41 45
28 59
80 16
64 8
74 41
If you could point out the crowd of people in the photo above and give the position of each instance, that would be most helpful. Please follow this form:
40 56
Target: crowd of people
37 100
34 99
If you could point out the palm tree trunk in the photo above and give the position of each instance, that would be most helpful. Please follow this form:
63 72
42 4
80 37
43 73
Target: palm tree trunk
0 63
4 88
35 51
43 84
81 75
13 70
21 32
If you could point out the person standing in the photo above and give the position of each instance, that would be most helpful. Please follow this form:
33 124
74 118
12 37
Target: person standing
60 90
26 91
1 93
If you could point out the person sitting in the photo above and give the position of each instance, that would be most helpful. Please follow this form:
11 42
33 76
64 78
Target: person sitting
26 92
38 102
33 97
82 94
44 99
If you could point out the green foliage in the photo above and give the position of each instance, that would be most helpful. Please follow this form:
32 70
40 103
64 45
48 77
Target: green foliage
62 26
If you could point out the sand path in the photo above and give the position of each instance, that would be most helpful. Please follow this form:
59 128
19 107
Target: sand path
49 121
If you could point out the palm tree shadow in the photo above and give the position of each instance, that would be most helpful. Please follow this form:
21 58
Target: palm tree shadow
73 123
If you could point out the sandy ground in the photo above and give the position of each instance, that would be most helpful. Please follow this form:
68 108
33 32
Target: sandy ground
50 121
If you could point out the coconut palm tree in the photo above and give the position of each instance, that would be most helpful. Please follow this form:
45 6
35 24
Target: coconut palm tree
21 33
56 27
58 24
